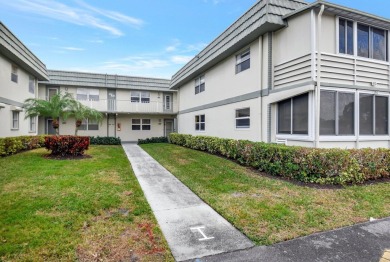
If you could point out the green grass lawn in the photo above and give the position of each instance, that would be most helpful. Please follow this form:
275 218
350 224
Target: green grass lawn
266 209
91 209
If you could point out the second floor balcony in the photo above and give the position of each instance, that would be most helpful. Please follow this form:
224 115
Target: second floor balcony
126 106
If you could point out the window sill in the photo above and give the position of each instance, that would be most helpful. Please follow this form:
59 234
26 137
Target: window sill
243 129
14 129
295 137
338 138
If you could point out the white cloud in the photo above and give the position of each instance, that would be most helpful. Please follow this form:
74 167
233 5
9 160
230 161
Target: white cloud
181 59
71 48
84 15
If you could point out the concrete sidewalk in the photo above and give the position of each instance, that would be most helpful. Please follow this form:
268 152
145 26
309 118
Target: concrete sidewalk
191 227
365 242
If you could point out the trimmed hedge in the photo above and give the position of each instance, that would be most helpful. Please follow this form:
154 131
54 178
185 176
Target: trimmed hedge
67 145
105 140
161 139
309 165
14 145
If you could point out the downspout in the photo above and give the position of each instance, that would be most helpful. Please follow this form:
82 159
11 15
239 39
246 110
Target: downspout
318 87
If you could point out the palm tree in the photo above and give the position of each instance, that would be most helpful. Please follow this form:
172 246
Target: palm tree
57 107
80 112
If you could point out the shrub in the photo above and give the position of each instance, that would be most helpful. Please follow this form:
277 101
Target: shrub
161 139
105 140
67 145
13 145
309 165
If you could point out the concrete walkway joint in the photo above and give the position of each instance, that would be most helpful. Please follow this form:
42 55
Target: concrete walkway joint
191 227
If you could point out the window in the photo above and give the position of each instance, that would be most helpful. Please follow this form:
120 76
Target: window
15 120
33 124
337 113
86 94
140 124
199 85
243 61
243 118
200 123
14 74
373 114
346 37
89 124
137 97
293 115
31 85
371 42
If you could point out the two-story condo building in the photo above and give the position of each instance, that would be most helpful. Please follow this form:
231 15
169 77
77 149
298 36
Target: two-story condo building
20 71
134 107
313 75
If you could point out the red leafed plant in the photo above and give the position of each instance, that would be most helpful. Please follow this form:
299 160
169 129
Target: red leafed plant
67 145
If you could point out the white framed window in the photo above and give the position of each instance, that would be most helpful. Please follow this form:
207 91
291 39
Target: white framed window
31 85
15 120
140 97
87 94
346 36
14 73
337 113
33 124
373 114
362 40
141 124
200 123
89 124
293 115
200 85
243 118
243 61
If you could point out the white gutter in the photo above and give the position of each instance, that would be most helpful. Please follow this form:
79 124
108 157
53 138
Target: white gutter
317 90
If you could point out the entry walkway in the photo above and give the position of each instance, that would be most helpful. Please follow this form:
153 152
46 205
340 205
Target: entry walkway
191 227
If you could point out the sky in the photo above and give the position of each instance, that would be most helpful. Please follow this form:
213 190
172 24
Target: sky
150 38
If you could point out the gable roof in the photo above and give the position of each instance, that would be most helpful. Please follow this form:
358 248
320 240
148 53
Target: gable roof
80 79
264 16
12 48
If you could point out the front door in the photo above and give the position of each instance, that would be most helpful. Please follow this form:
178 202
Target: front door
111 99
167 103
49 127
111 119
168 127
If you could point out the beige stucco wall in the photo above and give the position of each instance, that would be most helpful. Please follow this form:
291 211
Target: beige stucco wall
17 93
222 82
221 122
293 41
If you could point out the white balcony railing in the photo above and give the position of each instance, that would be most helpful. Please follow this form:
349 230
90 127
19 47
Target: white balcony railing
335 69
126 106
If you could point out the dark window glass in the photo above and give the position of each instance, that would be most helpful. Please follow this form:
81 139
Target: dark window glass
284 117
366 114
349 37
381 115
300 114
243 112
136 127
379 44
363 40
342 40
328 113
241 123
346 105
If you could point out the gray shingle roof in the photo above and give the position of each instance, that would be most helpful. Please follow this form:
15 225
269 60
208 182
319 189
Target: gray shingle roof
264 16
12 48
80 79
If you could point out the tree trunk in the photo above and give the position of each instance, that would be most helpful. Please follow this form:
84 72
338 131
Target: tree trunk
78 124
56 125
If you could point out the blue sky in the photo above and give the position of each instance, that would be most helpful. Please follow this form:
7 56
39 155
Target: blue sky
152 38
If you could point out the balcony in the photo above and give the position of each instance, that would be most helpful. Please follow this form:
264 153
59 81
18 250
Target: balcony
340 70
126 106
